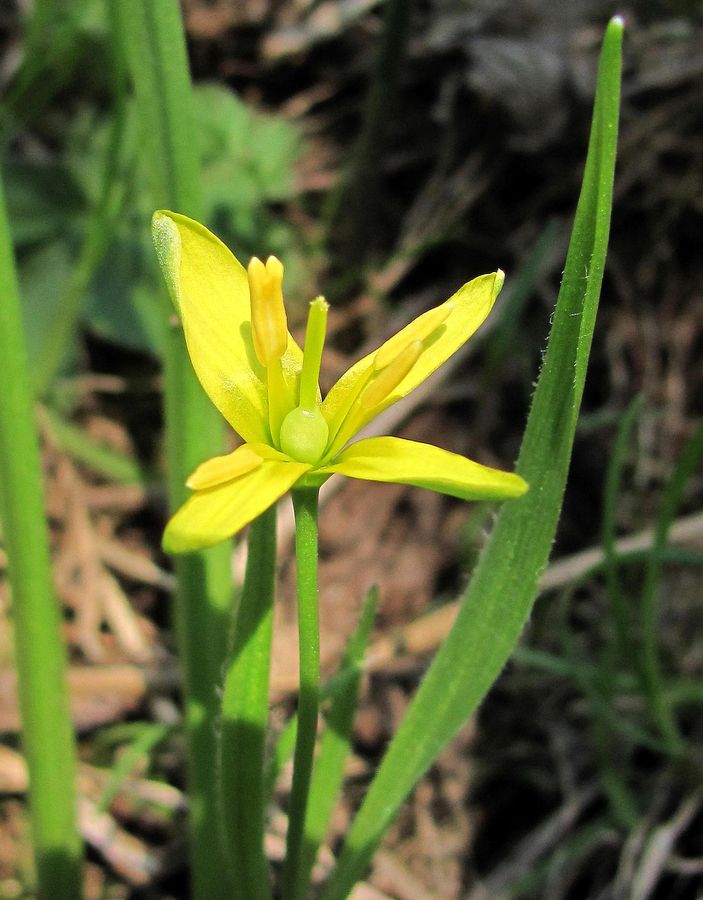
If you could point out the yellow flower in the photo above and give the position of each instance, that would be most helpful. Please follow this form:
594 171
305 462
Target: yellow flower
236 331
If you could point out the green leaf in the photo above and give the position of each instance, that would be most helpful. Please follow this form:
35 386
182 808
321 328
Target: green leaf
43 276
505 582
47 735
123 303
74 441
261 149
244 714
41 199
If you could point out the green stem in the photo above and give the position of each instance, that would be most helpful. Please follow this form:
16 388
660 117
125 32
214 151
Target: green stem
305 505
334 746
245 715
153 41
41 659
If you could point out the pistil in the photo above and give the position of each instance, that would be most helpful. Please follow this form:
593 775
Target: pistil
304 431
315 332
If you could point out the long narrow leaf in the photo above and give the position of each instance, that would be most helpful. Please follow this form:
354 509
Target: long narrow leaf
47 735
504 585
151 36
650 666
244 716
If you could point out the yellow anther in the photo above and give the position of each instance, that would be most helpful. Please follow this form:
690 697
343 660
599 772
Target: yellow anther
268 315
394 372
221 469
418 330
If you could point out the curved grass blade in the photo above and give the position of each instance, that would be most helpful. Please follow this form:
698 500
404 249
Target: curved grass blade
505 582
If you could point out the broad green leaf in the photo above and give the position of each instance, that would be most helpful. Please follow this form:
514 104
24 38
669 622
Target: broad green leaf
505 582
41 199
123 305
43 276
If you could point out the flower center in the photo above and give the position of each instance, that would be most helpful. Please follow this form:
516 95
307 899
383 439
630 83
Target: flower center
304 431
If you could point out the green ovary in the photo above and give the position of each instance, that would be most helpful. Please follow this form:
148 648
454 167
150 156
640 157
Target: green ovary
304 435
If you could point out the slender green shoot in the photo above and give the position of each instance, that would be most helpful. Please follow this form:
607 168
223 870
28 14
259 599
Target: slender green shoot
334 747
607 733
151 35
50 57
47 735
622 646
242 729
506 579
353 207
305 501
147 739
74 441
650 664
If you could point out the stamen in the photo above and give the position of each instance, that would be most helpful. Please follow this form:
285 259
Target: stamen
419 330
268 315
391 376
221 469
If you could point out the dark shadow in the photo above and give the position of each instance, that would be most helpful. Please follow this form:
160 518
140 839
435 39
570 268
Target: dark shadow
59 874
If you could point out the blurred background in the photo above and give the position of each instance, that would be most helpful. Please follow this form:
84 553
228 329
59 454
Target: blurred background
387 152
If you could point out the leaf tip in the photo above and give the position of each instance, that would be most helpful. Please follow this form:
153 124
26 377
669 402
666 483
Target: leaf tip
498 282
167 243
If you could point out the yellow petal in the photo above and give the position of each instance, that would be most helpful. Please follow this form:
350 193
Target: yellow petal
452 324
213 515
408 462
210 290
221 469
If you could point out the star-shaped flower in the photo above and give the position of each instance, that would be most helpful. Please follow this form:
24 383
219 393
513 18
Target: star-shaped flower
266 387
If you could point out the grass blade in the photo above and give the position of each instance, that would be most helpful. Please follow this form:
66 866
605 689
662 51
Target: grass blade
47 735
245 715
621 647
650 665
504 585
152 39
